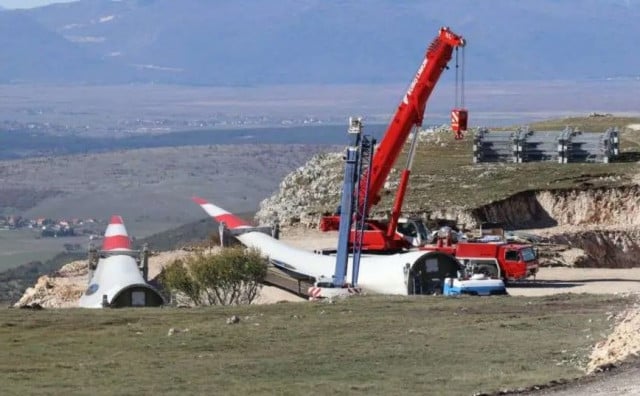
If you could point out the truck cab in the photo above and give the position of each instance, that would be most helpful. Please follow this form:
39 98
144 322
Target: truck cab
494 259
413 231
499 260
518 261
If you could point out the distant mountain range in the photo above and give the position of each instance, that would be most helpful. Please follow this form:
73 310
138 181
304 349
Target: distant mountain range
255 42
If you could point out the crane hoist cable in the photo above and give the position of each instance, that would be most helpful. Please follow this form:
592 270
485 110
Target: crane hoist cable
462 79
459 114
459 90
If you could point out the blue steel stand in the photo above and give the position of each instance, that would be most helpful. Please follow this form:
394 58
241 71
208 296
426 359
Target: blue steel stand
367 147
357 162
346 204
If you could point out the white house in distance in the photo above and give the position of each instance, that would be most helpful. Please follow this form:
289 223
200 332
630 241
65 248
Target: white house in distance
116 273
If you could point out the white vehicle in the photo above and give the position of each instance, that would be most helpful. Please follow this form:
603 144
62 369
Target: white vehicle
476 285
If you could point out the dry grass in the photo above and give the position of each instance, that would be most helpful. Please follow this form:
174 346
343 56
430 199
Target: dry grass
587 124
372 345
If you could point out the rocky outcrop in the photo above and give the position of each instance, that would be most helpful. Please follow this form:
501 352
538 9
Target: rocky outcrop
601 206
61 290
623 342
522 210
604 248
596 206
314 189
597 227
559 255
602 224
305 193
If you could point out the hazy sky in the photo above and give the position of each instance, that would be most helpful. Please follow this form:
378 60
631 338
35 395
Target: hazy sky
29 3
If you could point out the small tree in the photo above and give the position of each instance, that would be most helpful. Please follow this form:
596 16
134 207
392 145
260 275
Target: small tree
232 276
176 278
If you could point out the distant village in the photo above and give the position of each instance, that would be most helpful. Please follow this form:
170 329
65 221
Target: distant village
50 228
141 126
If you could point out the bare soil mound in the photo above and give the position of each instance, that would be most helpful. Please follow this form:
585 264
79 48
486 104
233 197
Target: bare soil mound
621 344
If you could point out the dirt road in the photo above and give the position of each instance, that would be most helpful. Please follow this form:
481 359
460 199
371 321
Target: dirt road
555 280
579 280
619 383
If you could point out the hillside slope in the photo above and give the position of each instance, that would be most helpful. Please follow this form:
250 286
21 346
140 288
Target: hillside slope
445 183
591 210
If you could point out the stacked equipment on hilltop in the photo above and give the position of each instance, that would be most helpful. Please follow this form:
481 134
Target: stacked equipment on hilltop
567 146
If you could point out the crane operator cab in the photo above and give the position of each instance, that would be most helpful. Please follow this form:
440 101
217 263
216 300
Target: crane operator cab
413 231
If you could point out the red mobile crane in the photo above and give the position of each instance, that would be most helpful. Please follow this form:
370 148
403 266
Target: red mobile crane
379 236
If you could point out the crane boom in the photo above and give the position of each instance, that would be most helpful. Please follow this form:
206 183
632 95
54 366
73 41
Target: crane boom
379 236
411 110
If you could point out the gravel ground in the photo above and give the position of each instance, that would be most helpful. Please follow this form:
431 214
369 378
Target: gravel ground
617 383
579 280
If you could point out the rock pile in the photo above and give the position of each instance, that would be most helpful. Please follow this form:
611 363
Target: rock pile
621 344
305 193
314 188
61 290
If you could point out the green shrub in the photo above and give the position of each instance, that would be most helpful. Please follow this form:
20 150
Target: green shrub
232 276
176 278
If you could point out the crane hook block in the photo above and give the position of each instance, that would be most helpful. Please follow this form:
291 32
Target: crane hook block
459 118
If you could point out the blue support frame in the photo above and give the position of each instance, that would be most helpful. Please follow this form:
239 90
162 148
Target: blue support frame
367 148
351 178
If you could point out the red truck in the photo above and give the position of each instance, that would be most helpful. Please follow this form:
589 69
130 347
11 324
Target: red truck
508 261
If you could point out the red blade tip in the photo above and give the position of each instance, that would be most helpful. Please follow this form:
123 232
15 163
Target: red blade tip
199 201
115 219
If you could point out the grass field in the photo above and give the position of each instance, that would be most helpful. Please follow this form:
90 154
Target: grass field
20 246
368 345
15 260
586 124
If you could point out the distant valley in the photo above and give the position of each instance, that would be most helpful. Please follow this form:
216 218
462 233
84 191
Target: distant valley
32 114
150 187
25 145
